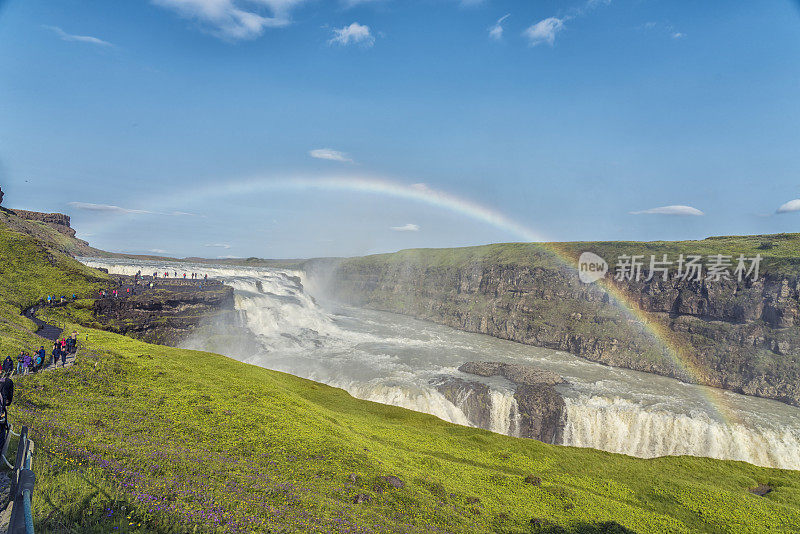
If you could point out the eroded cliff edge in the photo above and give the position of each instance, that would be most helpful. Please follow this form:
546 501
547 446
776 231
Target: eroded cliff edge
539 410
741 336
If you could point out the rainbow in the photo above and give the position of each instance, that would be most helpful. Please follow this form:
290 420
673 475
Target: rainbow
681 355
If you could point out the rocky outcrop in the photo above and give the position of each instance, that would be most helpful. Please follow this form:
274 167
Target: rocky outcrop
59 221
471 397
168 314
540 407
540 410
741 336
519 374
53 230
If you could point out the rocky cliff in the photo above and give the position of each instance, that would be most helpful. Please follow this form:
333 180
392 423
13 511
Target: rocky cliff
539 410
166 314
59 221
742 336
52 229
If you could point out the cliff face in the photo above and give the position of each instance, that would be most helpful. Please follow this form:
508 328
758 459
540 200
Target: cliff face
539 412
167 314
741 336
59 221
52 229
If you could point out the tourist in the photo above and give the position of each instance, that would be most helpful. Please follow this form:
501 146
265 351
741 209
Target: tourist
56 353
37 361
6 396
8 366
74 339
21 363
63 353
27 363
41 354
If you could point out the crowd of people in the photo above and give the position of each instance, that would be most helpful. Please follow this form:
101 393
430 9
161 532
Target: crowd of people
38 360
186 276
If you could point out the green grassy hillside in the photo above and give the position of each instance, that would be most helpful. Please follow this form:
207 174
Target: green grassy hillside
145 438
780 252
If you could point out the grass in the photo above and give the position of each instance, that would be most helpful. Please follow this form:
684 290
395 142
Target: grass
141 438
178 439
780 252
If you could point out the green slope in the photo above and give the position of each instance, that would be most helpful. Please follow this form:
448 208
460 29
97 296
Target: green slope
145 438
780 252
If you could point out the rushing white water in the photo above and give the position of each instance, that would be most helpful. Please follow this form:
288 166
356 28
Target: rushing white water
504 417
393 359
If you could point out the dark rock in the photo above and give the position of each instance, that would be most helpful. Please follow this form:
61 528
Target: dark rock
353 478
533 480
542 413
59 221
472 398
167 315
761 490
541 408
394 481
361 498
1 195
519 374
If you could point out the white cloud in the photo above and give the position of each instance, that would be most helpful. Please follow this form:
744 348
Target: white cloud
330 154
496 31
87 206
410 227
110 208
355 33
670 210
182 214
158 251
544 31
229 257
421 187
234 19
218 245
678 35
789 207
77 38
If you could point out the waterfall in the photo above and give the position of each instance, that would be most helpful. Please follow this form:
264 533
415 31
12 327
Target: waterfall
504 415
393 360
617 425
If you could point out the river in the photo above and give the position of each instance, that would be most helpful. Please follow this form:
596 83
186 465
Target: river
392 359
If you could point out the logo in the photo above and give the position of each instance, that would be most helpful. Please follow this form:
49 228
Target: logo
591 267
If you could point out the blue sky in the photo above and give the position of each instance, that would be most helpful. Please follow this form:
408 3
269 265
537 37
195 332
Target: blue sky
639 119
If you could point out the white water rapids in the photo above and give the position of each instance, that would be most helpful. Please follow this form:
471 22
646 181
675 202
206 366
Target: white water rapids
392 359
